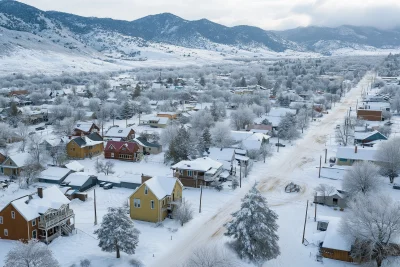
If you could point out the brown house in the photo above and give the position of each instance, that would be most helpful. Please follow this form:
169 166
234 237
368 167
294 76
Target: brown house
44 215
198 172
121 150
335 246
2 158
85 146
369 115
85 128
120 134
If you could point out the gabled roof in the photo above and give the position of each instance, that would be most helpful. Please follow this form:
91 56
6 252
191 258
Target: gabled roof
90 140
365 135
118 145
161 186
19 159
84 126
77 178
201 164
75 166
226 154
143 142
118 132
333 238
30 207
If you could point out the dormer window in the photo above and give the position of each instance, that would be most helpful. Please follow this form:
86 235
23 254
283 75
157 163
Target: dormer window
146 190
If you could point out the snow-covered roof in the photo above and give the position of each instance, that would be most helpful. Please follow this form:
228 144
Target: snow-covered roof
83 126
280 112
333 238
75 166
161 186
218 154
54 173
363 153
273 120
365 135
77 178
249 140
118 132
201 164
30 209
20 159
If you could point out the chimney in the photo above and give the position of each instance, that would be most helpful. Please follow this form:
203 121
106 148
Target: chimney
40 192
355 149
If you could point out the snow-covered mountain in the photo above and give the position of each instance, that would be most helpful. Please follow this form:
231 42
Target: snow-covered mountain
49 39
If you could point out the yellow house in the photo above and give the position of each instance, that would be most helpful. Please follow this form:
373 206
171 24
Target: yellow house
155 199
85 146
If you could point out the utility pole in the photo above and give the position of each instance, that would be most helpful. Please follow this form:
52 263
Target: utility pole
326 154
278 141
240 180
95 211
315 212
320 163
305 222
201 194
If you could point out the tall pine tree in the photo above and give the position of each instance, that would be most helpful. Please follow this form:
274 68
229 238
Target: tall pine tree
126 112
180 148
207 138
214 111
254 229
117 232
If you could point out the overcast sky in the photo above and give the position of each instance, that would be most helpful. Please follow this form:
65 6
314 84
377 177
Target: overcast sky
267 14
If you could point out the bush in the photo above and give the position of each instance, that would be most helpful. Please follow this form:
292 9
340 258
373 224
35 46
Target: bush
217 185
85 263
136 263
235 183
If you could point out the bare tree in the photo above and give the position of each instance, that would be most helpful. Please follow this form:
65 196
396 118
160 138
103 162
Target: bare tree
183 212
33 253
388 157
242 117
345 133
221 135
211 256
104 167
362 178
23 133
325 190
303 119
373 227
265 150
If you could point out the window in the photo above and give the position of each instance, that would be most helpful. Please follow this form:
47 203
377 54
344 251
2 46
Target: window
1 219
136 202
34 234
5 232
146 190
34 222
112 155
152 204
149 148
13 214
190 173
181 172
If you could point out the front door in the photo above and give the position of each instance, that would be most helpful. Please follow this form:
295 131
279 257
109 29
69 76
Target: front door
335 201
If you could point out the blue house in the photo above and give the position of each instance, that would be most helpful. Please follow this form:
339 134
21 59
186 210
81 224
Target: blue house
368 137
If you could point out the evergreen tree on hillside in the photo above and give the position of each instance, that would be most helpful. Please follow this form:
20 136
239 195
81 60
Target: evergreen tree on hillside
137 91
254 229
243 82
202 81
126 112
207 138
214 111
117 232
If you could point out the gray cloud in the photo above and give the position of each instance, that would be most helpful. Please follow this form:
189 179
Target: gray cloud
267 14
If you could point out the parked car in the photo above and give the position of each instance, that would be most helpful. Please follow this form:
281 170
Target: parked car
32 133
102 184
3 185
388 123
108 186
280 145
48 123
40 128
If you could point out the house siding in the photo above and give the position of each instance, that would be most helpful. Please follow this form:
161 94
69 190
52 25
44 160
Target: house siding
76 152
10 171
369 115
336 254
18 228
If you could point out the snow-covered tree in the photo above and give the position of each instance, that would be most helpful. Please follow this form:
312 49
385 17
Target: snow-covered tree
207 137
395 103
202 119
242 117
254 229
258 110
345 133
221 135
65 127
31 254
126 112
168 134
23 133
211 256
288 127
117 232
265 150
373 226
94 104
183 212
181 147
361 178
59 154
303 119
388 157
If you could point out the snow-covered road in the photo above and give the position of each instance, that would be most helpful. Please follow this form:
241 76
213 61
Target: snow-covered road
272 177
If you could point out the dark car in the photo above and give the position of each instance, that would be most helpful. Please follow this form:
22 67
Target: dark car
32 133
102 184
48 123
108 186
280 145
40 128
